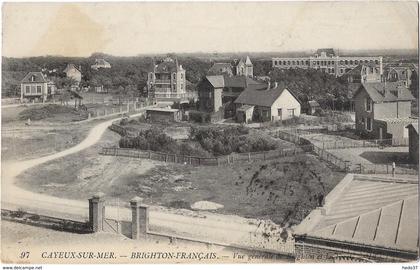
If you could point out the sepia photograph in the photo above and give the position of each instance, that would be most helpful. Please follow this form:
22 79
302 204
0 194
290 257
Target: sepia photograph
209 133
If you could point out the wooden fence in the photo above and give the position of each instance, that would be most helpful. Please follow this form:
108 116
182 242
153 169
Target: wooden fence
205 161
345 165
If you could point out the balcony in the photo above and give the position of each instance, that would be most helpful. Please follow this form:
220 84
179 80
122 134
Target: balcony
162 81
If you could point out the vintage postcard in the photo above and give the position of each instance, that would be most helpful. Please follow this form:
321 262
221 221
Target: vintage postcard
209 132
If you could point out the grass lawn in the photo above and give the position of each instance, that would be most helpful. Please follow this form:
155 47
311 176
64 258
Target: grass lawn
383 157
283 190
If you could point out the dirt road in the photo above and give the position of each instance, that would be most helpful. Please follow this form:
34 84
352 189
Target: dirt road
196 225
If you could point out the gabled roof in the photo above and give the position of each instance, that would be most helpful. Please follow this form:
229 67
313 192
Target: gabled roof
358 69
262 97
216 80
70 66
248 61
37 76
101 62
386 92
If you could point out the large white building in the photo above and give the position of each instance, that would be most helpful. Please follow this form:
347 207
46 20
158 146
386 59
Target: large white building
328 61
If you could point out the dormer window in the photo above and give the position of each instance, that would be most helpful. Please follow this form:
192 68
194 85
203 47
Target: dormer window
33 78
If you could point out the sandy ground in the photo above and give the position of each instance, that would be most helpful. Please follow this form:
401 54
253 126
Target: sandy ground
354 154
220 228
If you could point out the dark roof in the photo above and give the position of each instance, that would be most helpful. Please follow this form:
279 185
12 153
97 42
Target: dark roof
38 78
313 103
415 126
358 69
262 97
386 92
219 81
328 51
218 68
167 65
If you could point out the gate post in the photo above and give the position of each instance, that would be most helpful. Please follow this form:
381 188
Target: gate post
97 212
139 218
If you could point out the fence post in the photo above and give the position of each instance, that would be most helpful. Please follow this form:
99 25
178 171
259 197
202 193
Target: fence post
97 212
140 218
249 157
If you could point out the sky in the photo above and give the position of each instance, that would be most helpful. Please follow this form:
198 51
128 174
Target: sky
127 29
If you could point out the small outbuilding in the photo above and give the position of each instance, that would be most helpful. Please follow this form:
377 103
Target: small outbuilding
163 115
313 106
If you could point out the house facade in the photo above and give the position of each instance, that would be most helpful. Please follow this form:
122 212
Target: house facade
270 104
327 61
166 81
383 110
75 73
36 86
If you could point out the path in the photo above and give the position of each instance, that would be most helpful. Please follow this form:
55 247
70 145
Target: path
223 229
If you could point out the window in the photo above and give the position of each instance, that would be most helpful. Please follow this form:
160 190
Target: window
356 62
33 78
293 62
38 89
174 76
346 62
33 89
27 89
376 62
291 112
368 124
182 75
341 70
368 104
307 62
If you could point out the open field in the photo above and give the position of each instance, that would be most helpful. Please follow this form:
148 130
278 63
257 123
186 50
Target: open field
284 190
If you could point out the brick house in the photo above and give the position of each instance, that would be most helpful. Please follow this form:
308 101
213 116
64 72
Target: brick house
270 104
380 226
413 142
36 86
383 110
